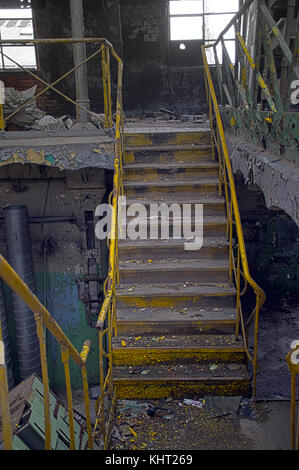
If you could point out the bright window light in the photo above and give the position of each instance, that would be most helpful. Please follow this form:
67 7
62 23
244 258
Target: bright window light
16 24
185 7
186 28
205 20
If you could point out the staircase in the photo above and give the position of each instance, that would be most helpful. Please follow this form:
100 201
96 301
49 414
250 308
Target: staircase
176 308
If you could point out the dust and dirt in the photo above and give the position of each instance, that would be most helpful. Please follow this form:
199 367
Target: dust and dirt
222 423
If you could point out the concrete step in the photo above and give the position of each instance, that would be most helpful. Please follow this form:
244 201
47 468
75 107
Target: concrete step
136 188
173 349
213 247
173 271
189 321
168 153
212 205
182 294
166 226
181 381
169 171
143 137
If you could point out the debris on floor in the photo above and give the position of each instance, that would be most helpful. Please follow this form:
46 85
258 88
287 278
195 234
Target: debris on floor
209 423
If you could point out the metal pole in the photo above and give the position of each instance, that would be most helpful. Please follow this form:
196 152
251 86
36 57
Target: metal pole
77 22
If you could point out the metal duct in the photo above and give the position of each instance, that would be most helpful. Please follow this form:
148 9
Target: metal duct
5 339
20 258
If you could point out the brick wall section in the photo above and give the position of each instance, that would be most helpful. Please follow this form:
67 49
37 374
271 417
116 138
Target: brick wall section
21 81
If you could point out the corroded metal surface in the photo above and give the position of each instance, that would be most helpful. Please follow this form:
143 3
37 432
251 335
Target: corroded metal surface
276 132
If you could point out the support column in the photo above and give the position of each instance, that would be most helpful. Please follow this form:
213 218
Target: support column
77 22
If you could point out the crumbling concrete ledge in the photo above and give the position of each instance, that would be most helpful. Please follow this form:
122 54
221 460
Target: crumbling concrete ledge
67 150
277 178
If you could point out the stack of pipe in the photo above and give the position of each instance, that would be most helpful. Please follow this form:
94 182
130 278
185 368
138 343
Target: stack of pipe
5 339
20 258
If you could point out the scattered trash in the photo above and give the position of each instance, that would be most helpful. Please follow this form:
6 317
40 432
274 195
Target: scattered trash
133 432
196 403
151 410
127 430
213 367
115 434
144 372
49 123
222 405
123 343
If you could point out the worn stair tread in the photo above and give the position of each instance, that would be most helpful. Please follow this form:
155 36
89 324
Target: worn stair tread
173 290
207 220
161 183
166 147
197 341
173 264
171 165
162 315
179 198
143 243
186 372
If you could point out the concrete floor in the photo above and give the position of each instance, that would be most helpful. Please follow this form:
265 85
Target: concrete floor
184 426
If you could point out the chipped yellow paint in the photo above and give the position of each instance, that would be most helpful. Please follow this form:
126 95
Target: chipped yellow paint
35 157
154 355
170 302
127 389
129 157
275 31
15 158
31 156
165 138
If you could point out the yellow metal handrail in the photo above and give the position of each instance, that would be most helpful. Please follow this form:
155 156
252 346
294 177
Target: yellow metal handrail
44 320
106 322
233 218
292 359
105 50
107 313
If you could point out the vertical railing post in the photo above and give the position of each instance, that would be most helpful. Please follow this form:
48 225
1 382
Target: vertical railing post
238 292
65 359
108 75
2 120
45 377
87 410
105 87
84 354
230 241
293 410
4 399
255 346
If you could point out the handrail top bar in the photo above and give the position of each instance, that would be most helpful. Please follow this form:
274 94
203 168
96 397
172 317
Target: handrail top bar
12 279
247 275
63 41
56 40
233 20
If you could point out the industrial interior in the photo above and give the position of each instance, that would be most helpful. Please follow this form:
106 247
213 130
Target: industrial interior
129 341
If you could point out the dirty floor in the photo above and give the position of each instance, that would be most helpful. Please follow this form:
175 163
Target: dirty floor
218 423
212 423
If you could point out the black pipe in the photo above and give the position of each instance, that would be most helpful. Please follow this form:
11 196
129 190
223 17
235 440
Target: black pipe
20 258
5 339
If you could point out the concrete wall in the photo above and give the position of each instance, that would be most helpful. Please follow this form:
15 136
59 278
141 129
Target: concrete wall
49 192
272 243
156 72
